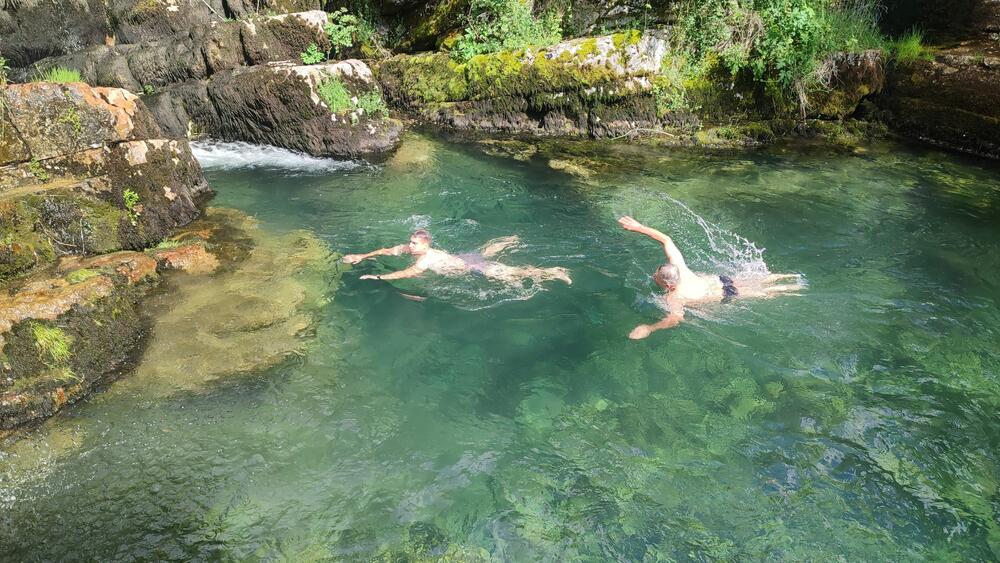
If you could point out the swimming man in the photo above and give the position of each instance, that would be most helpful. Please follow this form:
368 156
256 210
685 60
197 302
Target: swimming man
684 287
441 262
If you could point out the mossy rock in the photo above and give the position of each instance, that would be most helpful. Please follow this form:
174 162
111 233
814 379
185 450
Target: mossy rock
100 339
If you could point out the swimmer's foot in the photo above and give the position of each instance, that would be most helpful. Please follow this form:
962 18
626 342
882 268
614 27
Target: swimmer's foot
561 274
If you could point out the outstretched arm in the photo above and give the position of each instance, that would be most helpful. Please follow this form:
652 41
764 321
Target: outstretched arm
391 251
669 248
673 319
410 272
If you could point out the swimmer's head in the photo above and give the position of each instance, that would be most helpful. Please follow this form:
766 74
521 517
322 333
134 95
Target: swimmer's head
667 276
420 242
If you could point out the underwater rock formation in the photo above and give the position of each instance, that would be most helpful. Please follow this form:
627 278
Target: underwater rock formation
240 301
250 315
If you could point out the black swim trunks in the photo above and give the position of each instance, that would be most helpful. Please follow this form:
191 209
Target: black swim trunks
728 288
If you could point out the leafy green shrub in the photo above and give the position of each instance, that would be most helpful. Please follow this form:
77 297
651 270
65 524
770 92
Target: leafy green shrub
58 75
333 92
780 42
312 55
345 30
37 170
131 199
3 72
336 97
499 25
169 243
910 47
373 104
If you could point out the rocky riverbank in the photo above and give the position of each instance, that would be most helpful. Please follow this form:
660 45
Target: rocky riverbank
98 208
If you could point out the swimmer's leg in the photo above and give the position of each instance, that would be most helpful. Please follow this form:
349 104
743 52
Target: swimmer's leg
786 289
498 245
512 275
539 275
771 278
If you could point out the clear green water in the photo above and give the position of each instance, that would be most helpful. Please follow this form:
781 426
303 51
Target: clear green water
860 421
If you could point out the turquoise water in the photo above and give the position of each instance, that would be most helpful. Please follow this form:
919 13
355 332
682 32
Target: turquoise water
858 421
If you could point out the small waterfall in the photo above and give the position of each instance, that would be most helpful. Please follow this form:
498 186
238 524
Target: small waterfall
217 155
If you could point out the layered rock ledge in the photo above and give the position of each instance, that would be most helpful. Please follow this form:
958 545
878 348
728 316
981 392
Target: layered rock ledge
87 180
606 87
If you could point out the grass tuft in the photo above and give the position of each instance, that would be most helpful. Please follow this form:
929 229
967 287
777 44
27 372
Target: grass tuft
910 47
58 75
53 344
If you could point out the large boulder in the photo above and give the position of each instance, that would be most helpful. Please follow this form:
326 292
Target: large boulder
598 86
952 100
280 104
87 171
67 332
31 30
606 87
195 53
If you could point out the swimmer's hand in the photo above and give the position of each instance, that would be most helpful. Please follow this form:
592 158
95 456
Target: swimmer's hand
353 258
640 332
370 277
630 224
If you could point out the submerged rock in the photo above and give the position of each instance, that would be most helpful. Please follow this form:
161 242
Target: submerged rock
253 313
244 303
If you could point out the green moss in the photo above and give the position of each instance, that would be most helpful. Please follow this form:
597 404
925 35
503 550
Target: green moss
626 38
36 169
587 47
83 274
424 79
53 344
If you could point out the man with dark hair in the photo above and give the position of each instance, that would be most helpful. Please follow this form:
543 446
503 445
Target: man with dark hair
441 262
684 287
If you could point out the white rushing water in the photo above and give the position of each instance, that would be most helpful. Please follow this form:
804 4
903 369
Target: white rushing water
218 155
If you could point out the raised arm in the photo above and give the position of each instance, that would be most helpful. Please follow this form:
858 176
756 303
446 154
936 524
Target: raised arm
411 272
670 321
391 251
673 253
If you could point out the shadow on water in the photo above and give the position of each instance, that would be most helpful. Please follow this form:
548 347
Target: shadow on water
857 422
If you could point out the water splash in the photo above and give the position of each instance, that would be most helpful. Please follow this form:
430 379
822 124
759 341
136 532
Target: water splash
730 252
472 292
217 155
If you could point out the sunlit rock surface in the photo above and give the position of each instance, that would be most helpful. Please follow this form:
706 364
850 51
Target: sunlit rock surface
85 171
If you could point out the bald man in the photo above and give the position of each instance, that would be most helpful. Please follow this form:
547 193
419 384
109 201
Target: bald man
684 287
